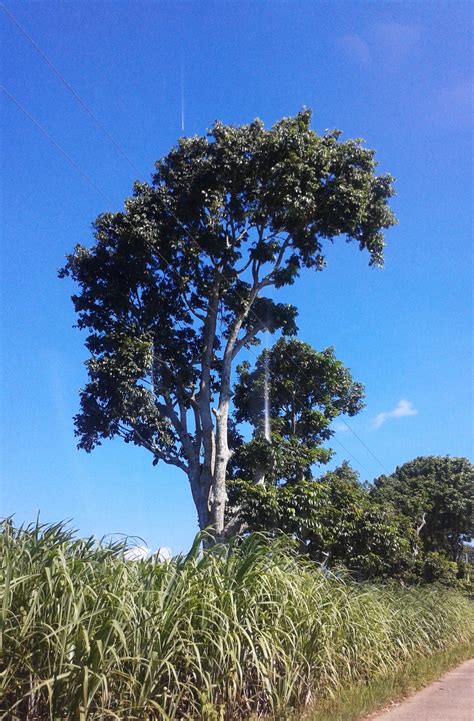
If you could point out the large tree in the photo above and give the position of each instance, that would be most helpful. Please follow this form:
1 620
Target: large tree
171 291
436 493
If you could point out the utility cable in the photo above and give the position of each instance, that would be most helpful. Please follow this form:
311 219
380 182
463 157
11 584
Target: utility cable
56 145
108 199
61 77
105 196
365 446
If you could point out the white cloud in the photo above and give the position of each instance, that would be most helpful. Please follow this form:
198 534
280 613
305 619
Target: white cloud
402 410
386 44
395 41
139 553
163 554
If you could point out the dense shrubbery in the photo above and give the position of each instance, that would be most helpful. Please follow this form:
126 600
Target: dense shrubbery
409 526
335 521
249 627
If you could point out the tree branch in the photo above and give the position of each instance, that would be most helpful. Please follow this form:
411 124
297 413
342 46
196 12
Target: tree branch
170 458
207 424
267 280
250 335
197 425
192 310
167 409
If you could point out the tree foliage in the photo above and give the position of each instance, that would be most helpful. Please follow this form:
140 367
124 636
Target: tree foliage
335 521
436 493
290 398
172 289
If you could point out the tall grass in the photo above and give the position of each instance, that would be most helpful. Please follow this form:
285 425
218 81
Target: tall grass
236 631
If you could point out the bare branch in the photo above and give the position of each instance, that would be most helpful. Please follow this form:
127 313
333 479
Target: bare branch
250 335
244 268
192 310
268 280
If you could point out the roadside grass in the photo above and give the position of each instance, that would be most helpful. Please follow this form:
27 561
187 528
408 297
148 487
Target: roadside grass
356 702
248 628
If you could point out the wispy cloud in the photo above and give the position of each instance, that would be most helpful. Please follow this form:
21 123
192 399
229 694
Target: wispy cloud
388 44
452 106
395 41
355 47
403 409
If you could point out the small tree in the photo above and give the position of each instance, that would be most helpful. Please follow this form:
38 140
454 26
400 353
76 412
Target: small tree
171 292
290 398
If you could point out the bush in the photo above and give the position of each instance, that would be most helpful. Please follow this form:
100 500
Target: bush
437 568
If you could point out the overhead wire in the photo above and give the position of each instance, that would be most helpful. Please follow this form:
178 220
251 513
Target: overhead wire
56 145
166 207
365 445
76 95
344 448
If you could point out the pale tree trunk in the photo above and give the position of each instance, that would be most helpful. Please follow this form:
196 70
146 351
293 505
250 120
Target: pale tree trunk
219 491
208 484
259 476
417 534
222 454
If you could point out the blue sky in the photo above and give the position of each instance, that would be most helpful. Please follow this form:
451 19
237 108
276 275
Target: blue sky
398 74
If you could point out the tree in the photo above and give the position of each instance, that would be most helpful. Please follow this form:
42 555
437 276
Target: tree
335 521
171 291
290 398
436 493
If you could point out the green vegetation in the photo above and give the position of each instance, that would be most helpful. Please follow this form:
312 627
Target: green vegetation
335 521
182 281
242 629
290 399
412 525
436 493
170 294
358 700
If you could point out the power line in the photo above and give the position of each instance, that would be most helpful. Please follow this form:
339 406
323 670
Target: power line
100 125
61 77
56 145
365 446
121 151
351 454
104 195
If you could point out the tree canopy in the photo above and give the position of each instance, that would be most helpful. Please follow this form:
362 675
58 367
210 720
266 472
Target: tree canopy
335 521
436 493
172 289
414 525
305 391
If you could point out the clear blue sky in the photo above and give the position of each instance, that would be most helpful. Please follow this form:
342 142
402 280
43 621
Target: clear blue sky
398 74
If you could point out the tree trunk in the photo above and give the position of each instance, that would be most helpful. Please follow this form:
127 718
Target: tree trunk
219 492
